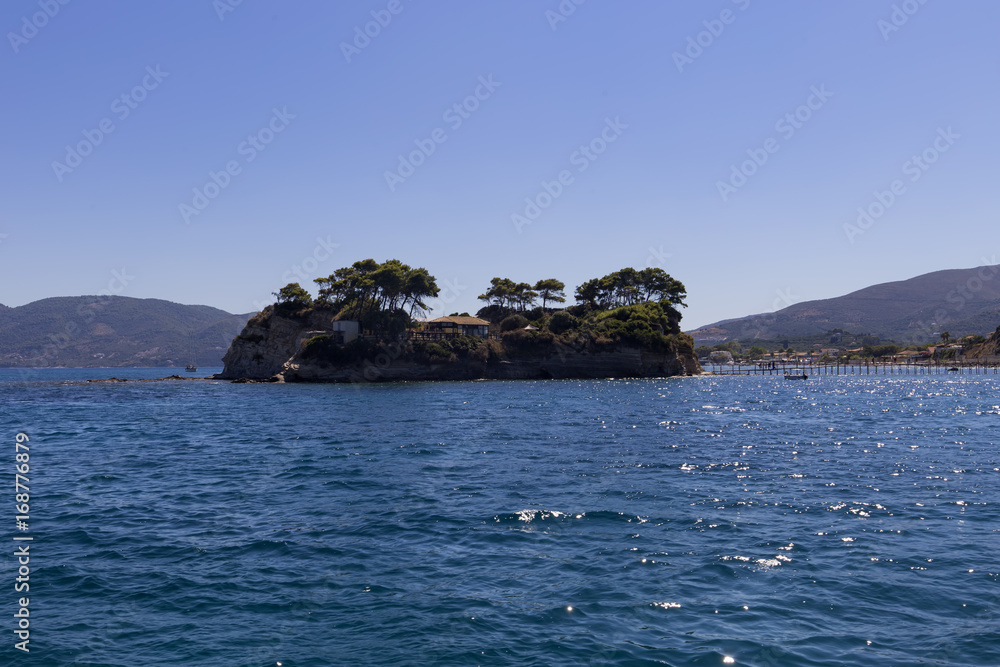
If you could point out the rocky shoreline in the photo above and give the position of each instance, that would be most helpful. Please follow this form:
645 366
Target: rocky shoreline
169 378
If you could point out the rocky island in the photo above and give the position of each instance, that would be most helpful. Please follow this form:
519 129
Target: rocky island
361 329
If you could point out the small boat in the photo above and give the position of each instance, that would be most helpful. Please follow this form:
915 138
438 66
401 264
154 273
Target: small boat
796 374
191 368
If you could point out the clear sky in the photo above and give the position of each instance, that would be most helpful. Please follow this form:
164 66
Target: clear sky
210 152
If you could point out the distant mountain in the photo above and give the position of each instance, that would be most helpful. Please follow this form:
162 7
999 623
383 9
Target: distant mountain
91 331
960 301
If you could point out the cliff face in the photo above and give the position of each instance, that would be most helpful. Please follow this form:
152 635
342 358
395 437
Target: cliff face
624 361
273 346
269 341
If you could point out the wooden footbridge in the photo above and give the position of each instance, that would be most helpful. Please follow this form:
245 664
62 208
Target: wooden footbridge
856 368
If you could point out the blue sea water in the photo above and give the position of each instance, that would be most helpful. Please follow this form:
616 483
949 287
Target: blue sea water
684 521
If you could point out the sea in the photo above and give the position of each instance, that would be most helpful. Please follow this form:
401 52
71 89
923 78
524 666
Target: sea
841 520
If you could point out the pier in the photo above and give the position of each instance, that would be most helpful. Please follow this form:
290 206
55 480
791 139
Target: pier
857 367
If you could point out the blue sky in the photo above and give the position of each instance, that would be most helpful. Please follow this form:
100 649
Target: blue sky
622 123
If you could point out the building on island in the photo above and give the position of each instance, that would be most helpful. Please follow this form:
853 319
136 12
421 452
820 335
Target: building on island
344 331
456 325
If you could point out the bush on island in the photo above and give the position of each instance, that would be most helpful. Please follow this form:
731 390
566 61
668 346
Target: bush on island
534 314
513 322
561 321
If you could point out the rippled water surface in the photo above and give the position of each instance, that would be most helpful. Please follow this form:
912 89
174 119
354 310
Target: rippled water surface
689 521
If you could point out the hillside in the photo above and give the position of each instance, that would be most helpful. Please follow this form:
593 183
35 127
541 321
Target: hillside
960 301
987 349
92 331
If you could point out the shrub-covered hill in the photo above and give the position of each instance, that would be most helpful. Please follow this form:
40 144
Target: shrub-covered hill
95 331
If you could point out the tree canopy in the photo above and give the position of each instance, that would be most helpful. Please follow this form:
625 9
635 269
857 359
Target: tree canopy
629 286
551 289
367 286
505 293
520 297
295 295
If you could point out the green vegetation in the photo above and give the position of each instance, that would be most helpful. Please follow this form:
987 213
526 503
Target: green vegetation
508 295
367 287
647 325
293 294
878 351
550 289
751 348
628 287
857 349
562 321
634 307
460 348
627 306
512 322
